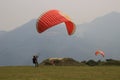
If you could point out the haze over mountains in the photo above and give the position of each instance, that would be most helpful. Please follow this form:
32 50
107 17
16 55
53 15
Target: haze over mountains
19 45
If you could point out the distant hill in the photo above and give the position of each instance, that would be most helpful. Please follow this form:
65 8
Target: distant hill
103 33
61 62
19 45
2 33
72 62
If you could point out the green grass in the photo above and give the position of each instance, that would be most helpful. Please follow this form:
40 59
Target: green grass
60 73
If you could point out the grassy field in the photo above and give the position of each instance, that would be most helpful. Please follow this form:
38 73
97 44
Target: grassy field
60 73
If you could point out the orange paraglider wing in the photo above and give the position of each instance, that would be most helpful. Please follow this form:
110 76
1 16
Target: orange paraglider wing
99 52
52 18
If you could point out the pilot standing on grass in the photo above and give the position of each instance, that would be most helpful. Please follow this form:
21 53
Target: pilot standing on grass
35 61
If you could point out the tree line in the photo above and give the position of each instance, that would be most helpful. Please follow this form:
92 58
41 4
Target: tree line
72 62
107 62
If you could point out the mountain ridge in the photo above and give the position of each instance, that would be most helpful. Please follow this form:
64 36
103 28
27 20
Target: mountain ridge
19 45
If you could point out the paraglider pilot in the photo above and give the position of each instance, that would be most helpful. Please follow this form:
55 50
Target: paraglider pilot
35 61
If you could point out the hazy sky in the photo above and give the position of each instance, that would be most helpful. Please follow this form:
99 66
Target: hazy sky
14 13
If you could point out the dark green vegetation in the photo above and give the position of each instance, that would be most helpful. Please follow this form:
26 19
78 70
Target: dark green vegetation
60 73
108 62
72 62
62 62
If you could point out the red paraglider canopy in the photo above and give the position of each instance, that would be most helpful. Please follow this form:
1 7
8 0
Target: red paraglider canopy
52 18
99 52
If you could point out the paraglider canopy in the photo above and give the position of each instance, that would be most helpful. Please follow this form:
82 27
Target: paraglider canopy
100 52
52 18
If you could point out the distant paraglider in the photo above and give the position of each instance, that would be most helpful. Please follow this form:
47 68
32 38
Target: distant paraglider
52 18
100 52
